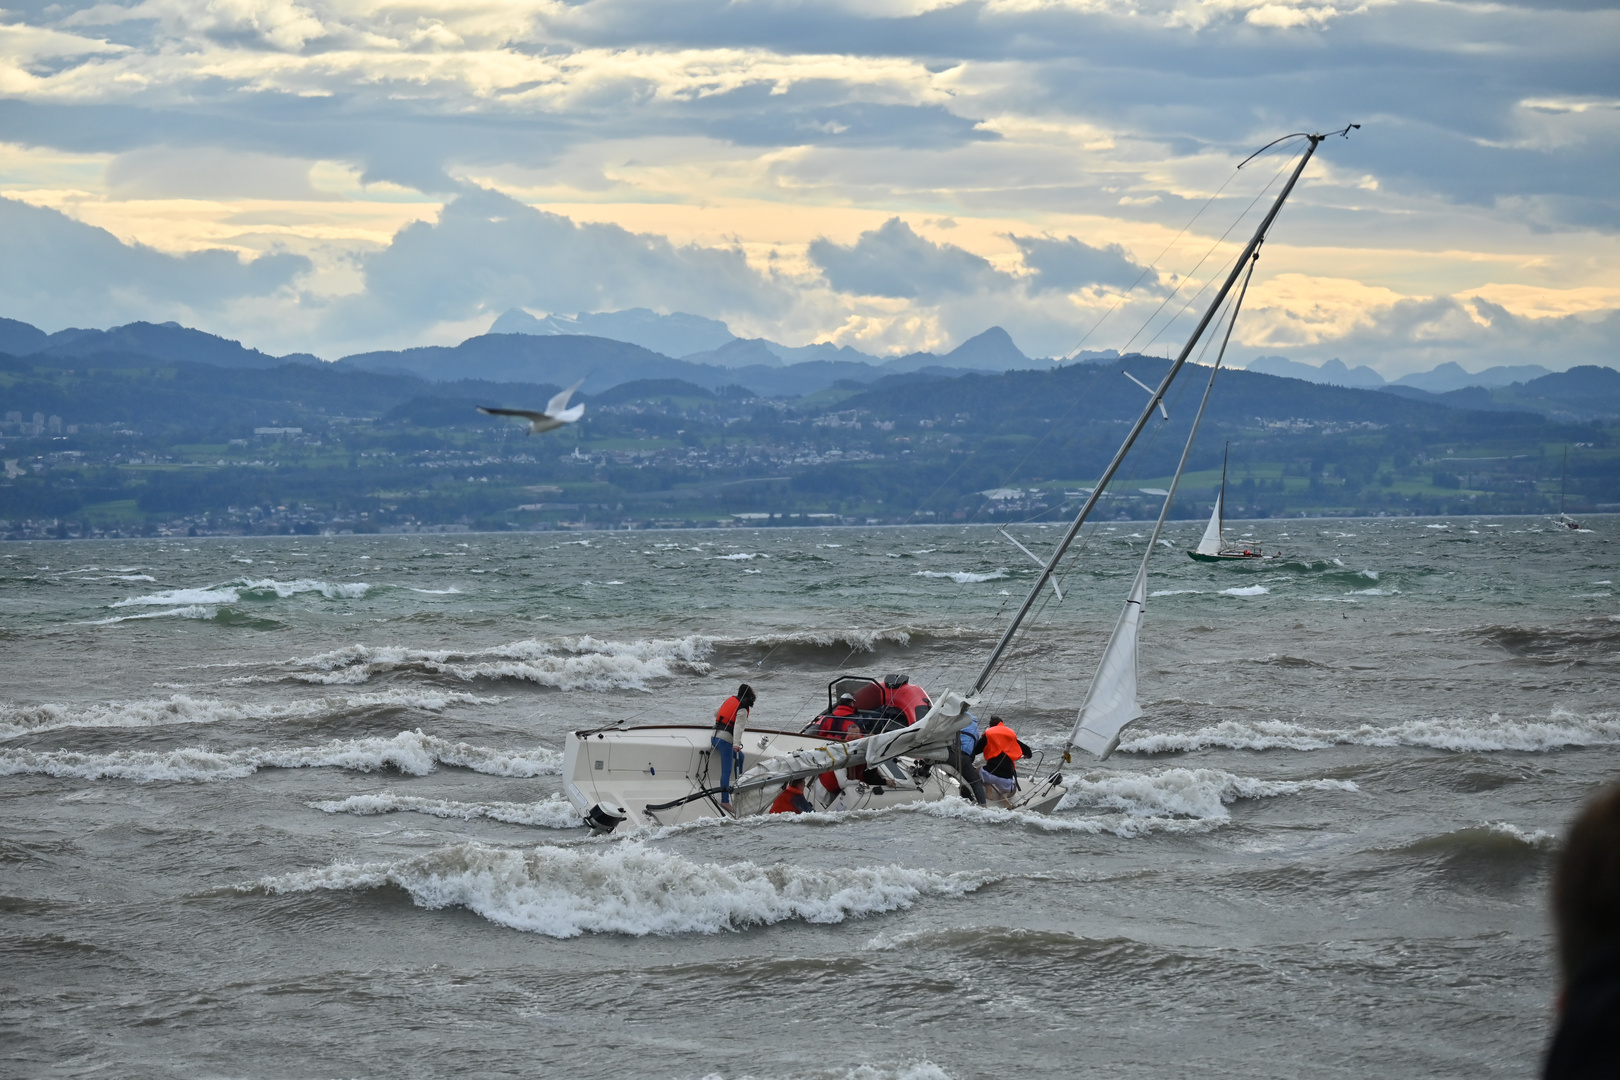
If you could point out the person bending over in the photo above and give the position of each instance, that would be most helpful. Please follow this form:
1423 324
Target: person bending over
730 722
792 800
1002 750
1586 921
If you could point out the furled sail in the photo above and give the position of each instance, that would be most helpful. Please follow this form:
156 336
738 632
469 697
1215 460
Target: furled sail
1211 543
1111 702
931 735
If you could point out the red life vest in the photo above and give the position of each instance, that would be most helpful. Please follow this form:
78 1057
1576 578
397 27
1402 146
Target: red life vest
999 740
785 802
837 726
726 715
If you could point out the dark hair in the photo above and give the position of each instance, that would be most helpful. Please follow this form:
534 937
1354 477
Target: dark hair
994 720
745 696
1586 885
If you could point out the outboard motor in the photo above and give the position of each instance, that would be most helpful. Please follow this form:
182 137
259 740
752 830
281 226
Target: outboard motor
603 818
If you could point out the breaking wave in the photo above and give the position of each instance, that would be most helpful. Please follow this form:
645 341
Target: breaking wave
581 663
247 588
553 813
410 752
1559 730
1245 590
963 577
18 720
629 889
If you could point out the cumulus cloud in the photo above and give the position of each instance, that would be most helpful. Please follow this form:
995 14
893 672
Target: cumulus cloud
1069 264
894 261
488 252
56 272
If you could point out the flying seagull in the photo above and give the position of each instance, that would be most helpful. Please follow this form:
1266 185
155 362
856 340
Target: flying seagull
556 415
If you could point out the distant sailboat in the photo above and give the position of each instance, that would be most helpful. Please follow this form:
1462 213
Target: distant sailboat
1563 520
1212 547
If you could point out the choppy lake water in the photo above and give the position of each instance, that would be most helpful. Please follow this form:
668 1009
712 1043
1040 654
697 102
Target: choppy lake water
289 807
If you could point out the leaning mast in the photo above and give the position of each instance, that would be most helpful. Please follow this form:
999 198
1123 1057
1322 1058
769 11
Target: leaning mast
1158 396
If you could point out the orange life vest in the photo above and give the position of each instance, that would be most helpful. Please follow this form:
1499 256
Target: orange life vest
784 801
999 740
726 715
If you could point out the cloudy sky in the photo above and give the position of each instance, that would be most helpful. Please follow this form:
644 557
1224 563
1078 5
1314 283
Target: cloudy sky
333 175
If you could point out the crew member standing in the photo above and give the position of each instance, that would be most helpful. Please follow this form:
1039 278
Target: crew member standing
959 758
1002 750
730 722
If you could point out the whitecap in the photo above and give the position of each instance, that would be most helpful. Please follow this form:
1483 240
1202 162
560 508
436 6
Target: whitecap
1176 592
962 577
18 720
629 889
1558 730
738 556
580 663
410 752
1246 590
555 812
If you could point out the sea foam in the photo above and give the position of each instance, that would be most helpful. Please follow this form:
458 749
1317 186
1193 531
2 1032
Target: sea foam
553 813
18 720
963 577
1558 730
252 588
629 889
410 752
577 663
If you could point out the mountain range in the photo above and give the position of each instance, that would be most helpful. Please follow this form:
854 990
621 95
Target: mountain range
538 352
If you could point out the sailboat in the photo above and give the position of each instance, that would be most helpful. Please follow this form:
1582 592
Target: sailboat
663 774
1563 520
1212 546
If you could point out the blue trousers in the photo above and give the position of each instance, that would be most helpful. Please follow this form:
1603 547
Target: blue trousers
725 752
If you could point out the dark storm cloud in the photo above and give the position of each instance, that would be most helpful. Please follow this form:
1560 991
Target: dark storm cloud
55 271
487 253
894 261
1069 264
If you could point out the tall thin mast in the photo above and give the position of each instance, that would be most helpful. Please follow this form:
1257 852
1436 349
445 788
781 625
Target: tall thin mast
1563 479
1141 421
1220 505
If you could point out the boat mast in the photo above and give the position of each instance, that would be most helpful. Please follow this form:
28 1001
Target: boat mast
1141 421
1220 506
1563 478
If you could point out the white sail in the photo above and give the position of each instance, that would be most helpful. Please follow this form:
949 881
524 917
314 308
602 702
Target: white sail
1111 702
1211 543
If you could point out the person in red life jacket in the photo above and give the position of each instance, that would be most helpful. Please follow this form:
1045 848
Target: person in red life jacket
792 800
1002 749
839 724
730 722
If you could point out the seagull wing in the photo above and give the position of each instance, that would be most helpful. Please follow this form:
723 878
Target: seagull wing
560 402
527 414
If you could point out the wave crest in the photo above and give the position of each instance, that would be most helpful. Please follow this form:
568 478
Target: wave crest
629 889
410 752
1559 730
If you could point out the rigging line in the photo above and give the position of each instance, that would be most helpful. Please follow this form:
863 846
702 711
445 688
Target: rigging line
1228 318
1207 254
1190 223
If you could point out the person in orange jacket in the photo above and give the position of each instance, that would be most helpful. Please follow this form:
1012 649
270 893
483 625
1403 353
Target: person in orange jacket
792 800
839 724
730 721
1002 750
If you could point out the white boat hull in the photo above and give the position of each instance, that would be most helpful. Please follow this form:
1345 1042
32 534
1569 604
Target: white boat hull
641 771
